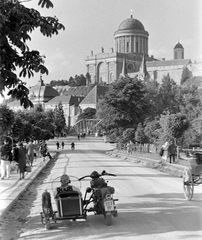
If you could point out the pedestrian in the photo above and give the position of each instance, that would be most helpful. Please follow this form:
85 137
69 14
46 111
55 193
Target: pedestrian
30 152
172 151
72 145
58 145
79 136
44 151
16 156
165 151
63 144
6 158
129 148
22 157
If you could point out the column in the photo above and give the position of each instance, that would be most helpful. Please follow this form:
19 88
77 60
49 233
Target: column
139 44
134 43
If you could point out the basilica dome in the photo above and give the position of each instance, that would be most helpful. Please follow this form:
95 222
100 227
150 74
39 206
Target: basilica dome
131 37
132 24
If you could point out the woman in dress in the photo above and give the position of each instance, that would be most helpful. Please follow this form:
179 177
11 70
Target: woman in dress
22 160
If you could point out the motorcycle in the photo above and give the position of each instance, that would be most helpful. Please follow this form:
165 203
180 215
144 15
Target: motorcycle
101 196
71 205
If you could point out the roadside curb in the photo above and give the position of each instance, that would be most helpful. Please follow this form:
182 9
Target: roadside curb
172 169
23 186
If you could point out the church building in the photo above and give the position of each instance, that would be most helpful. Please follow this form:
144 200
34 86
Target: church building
130 51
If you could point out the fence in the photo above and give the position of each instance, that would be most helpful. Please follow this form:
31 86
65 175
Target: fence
182 154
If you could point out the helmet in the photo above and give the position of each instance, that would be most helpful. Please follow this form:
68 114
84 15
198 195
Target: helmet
65 179
95 174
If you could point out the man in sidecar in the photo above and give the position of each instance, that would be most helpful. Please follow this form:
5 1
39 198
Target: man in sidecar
65 187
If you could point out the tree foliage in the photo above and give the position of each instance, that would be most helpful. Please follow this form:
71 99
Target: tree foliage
125 105
59 117
7 119
88 113
172 126
17 22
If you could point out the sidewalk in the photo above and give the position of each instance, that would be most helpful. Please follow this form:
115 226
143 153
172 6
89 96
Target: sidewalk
152 161
10 189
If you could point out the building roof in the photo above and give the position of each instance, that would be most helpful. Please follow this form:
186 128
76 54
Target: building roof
164 63
42 91
71 100
95 94
178 45
79 91
131 23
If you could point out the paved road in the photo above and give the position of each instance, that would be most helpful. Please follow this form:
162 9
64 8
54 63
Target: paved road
151 204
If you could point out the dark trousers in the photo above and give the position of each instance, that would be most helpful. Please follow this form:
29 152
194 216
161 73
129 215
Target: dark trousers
172 156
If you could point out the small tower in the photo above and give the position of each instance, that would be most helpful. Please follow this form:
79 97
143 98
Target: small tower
178 51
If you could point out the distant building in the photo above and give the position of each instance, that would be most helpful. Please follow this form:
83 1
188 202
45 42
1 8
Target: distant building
130 47
70 106
42 93
91 100
38 94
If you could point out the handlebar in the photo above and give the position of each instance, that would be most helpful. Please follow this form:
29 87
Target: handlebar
103 173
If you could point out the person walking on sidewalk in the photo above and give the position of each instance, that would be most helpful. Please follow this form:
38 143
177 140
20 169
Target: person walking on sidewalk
172 151
58 145
22 155
63 144
165 151
6 158
30 152
129 148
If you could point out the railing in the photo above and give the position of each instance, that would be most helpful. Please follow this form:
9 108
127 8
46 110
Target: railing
182 153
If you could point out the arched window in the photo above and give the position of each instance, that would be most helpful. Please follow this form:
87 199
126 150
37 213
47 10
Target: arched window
131 66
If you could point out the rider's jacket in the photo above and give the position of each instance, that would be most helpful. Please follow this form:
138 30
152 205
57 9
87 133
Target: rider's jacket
98 182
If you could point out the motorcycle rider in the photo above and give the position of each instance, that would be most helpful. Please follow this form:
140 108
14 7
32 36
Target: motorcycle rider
97 181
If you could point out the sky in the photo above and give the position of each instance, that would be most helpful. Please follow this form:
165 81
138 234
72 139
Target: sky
90 25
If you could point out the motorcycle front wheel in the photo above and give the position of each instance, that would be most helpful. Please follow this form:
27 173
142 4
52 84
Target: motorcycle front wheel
108 219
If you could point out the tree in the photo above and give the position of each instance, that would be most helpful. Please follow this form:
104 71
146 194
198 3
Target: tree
124 106
88 113
173 126
60 122
168 90
7 119
129 135
18 128
152 130
17 22
140 136
88 78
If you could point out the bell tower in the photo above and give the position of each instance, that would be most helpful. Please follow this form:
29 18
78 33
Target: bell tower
178 51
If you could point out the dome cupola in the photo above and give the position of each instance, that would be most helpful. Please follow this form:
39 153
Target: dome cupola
131 24
131 37
178 51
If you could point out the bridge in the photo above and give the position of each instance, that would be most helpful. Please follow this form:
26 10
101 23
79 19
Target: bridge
88 125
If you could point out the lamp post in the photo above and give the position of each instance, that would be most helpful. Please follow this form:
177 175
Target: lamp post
1 127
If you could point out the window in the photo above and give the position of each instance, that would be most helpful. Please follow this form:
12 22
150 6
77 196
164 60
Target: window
136 46
127 47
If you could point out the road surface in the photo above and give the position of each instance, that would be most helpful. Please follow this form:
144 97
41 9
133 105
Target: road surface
151 204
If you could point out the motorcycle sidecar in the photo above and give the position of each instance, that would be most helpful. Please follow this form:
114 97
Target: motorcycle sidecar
69 206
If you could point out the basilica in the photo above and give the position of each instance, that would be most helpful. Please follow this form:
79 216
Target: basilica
130 52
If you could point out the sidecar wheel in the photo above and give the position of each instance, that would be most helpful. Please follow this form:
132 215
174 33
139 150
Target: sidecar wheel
108 219
48 225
